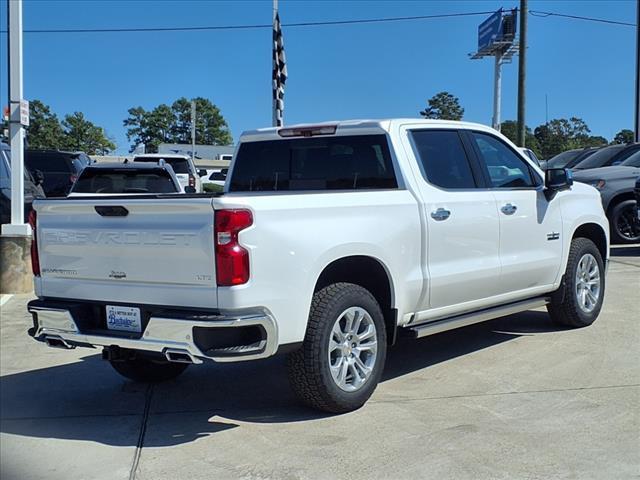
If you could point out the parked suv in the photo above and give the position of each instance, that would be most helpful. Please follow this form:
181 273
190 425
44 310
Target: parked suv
328 242
60 169
616 186
182 165
32 187
608 156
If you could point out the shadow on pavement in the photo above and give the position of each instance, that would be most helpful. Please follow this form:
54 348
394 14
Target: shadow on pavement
85 400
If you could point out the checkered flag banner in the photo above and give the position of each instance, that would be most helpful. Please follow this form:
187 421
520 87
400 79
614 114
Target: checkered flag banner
279 73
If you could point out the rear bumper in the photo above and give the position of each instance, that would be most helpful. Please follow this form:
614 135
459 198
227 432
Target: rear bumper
166 333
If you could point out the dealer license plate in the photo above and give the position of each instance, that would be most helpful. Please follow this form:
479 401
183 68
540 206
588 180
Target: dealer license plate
124 318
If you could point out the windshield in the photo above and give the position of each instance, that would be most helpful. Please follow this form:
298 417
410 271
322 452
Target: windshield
560 160
179 165
600 158
124 181
633 160
48 162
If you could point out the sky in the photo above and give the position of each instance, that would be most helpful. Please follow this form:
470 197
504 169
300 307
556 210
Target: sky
379 70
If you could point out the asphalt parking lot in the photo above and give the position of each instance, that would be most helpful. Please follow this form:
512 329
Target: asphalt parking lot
511 398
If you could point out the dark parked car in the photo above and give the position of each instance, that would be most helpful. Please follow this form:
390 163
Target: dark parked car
127 178
60 169
608 156
32 188
616 186
568 158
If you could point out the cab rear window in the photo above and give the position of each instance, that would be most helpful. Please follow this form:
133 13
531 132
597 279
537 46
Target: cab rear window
119 181
327 163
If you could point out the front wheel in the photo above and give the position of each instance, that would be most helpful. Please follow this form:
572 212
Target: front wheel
343 353
578 304
624 224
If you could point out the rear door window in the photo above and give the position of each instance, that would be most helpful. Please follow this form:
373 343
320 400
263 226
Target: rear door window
323 163
443 158
4 165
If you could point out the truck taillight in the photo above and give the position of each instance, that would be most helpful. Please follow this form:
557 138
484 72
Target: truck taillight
35 259
232 260
192 181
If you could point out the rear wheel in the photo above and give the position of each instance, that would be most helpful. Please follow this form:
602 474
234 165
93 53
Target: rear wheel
343 353
578 303
147 369
624 224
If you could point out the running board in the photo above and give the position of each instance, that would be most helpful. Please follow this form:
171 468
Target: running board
452 323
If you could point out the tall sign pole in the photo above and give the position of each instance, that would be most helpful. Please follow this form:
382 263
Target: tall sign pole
18 115
497 91
496 38
637 123
522 73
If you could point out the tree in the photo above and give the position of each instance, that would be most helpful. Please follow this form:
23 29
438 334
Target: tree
166 124
562 134
44 130
81 134
443 106
623 136
509 128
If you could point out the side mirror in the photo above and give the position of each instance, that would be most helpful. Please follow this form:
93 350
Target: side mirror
557 179
189 189
202 172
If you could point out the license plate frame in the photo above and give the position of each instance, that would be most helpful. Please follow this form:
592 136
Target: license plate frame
122 318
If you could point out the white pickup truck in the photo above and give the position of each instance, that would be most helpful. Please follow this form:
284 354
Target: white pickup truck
328 242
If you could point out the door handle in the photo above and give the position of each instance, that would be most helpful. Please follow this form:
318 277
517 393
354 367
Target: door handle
440 214
509 209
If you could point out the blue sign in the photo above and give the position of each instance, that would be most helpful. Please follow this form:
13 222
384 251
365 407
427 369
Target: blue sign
490 31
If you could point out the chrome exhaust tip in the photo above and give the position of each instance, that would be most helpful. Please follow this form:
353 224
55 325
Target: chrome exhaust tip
180 356
58 342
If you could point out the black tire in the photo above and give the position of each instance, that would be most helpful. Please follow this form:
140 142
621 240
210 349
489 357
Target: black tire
624 227
309 367
148 370
565 308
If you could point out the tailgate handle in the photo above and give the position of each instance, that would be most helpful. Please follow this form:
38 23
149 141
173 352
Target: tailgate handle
112 211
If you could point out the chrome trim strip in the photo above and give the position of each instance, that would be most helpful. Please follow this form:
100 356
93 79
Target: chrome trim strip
160 335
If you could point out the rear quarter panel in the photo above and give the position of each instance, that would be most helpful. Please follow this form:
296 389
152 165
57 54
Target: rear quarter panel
295 236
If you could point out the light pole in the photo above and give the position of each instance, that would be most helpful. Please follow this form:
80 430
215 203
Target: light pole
522 73
637 122
18 110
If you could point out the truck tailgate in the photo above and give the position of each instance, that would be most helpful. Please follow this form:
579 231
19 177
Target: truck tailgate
156 251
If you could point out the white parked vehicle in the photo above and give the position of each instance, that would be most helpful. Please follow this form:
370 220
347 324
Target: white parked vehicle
328 242
531 154
184 168
217 176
